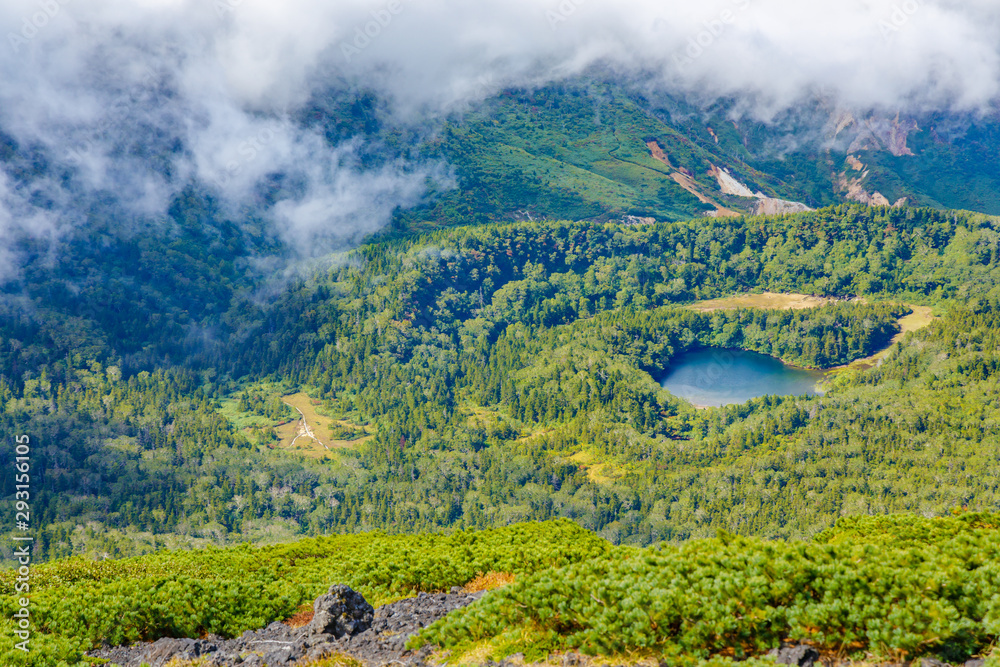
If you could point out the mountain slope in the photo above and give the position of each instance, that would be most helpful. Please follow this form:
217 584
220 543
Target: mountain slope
508 373
605 150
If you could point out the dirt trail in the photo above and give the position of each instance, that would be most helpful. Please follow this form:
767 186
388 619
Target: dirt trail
658 153
921 317
304 430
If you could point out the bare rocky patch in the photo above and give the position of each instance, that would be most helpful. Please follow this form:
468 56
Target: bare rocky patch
342 623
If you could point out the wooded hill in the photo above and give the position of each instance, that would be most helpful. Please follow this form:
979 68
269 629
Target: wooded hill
509 373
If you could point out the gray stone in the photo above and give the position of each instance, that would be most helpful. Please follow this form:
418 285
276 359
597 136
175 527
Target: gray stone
801 655
932 662
322 650
350 627
278 657
163 651
341 612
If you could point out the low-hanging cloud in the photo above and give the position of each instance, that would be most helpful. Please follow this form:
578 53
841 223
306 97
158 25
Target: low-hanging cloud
137 99
918 54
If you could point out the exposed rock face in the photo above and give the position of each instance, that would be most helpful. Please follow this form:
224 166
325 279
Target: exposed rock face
800 656
855 163
875 133
343 622
768 206
729 185
764 205
884 134
341 612
856 192
635 221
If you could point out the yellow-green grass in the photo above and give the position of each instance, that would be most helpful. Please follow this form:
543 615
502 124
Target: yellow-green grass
764 300
598 472
321 426
289 430
921 317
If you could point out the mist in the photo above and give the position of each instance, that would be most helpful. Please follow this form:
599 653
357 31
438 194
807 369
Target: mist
132 102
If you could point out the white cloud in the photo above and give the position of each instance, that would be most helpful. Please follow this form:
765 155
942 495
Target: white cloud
140 97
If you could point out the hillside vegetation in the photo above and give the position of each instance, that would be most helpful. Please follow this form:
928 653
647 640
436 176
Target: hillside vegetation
603 150
895 587
509 373
891 588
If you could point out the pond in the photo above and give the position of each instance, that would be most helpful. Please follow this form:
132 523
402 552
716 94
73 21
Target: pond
713 377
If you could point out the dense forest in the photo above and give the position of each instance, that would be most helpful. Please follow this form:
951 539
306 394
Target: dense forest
868 590
510 373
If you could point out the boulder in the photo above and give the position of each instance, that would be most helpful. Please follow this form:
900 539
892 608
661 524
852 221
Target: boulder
341 612
933 662
162 651
801 656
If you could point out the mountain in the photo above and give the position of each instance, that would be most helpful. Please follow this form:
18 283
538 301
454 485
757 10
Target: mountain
354 303
588 149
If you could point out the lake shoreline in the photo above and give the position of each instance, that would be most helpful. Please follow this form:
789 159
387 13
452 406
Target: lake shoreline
711 377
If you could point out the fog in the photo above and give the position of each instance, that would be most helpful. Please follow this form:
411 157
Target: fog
131 102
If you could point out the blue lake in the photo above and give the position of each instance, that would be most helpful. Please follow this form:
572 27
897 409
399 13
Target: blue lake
714 377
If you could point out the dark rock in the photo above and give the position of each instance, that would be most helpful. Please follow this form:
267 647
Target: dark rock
321 650
341 612
932 662
344 623
801 655
278 657
163 651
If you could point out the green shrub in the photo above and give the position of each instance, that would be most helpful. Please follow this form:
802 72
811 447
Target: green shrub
894 586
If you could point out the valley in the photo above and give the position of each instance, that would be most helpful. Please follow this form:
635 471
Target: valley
454 387
676 379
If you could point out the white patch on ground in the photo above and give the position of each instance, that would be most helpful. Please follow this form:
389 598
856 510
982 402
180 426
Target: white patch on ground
769 206
730 186
765 205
